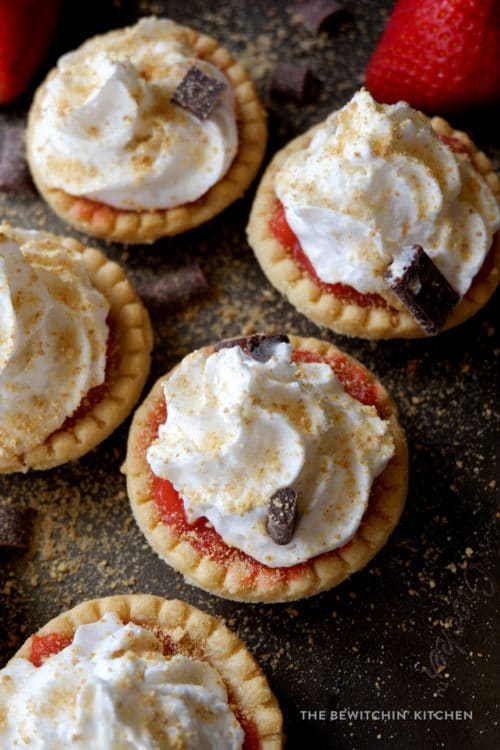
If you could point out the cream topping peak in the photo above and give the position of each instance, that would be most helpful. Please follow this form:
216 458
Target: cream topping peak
52 340
239 429
112 688
107 129
376 178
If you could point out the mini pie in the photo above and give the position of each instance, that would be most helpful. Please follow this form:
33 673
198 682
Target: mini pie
127 361
200 553
338 306
187 631
146 223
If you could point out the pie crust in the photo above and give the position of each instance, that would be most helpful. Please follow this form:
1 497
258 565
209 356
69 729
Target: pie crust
103 220
228 580
133 338
194 633
322 307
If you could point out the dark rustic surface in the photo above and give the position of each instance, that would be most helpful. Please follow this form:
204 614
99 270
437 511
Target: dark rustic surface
415 631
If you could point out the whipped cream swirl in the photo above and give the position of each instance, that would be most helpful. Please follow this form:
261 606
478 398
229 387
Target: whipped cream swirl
107 130
53 338
376 178
239 429
112 688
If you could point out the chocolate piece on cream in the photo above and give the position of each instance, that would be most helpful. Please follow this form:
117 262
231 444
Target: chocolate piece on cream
258 346
318 13
198 93
16 522
282 515
295 82
422 288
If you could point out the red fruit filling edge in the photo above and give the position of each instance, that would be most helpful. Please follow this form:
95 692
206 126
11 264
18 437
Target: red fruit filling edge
281 231
201 534
44 646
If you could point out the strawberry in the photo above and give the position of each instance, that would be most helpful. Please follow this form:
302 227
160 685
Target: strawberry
26 29
438 55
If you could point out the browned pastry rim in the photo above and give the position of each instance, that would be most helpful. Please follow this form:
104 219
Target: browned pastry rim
195 633
350 318
119 225
134 340
384 509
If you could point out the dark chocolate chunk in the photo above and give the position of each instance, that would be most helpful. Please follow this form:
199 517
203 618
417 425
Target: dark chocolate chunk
282 515
295 82
258 346
16 522
174 290
14 173
198 93
422 288
318 13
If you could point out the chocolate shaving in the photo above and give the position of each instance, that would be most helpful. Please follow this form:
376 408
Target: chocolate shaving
319 13
295 82
14 173
16 523
422 289
198 93
175 289
282 515
258 346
